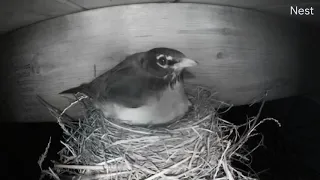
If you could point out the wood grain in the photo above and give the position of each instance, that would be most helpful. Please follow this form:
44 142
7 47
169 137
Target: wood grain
242 53
261 4
16 13
270 6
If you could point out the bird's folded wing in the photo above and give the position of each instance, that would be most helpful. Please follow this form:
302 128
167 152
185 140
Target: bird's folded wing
126 84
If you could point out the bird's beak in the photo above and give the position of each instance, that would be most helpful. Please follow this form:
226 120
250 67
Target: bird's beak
185 62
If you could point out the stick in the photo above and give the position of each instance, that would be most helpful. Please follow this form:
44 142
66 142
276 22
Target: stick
168 169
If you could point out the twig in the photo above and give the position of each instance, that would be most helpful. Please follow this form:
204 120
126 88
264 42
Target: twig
101 176
72 104
221 160
54 175
168 169
121 127
44 155
110 168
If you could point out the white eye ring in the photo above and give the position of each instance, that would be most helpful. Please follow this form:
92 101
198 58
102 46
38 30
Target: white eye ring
163 62
167 58
163 66
159 56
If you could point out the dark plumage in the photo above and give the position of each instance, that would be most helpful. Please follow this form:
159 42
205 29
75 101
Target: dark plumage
137 83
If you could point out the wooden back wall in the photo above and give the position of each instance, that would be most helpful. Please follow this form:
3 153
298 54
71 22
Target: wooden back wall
241 52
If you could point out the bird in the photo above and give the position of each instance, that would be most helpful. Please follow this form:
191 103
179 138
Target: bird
146 88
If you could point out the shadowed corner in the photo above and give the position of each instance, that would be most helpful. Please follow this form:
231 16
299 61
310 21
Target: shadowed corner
308 59
6 114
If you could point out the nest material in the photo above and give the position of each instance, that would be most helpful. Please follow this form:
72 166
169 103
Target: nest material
199 146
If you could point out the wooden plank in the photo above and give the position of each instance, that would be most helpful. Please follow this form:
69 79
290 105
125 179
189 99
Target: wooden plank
270 6
107 3
261 4
11 11
242 53
284 10
15 13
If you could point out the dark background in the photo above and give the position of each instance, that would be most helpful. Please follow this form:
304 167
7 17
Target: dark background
290 152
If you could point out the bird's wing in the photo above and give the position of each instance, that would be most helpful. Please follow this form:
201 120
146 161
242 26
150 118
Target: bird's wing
94 88
127 84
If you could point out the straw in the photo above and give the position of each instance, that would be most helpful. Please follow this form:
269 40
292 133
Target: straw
201 145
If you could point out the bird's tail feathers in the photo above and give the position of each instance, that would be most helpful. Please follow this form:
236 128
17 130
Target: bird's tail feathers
75 90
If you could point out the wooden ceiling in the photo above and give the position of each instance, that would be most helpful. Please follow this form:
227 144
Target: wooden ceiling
15 14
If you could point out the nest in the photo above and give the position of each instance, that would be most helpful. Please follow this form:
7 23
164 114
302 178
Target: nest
199 146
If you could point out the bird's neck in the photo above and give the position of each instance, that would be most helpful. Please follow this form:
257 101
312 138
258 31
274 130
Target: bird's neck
174 78
161 83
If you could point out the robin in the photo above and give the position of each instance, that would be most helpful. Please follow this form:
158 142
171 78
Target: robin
144 89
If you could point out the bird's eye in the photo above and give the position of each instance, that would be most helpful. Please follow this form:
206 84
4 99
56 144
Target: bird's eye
162 61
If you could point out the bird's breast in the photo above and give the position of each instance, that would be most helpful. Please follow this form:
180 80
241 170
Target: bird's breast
168 105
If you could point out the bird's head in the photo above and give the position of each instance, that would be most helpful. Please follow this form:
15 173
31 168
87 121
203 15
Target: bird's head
164 62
